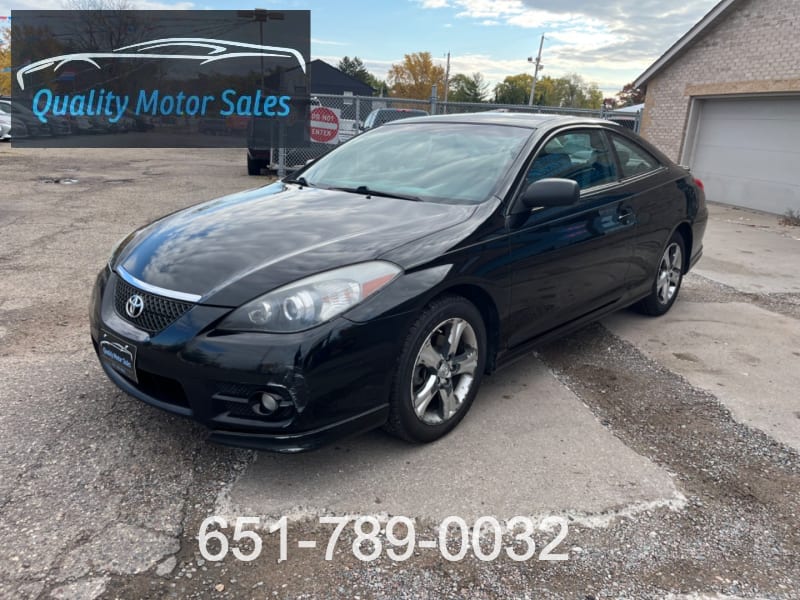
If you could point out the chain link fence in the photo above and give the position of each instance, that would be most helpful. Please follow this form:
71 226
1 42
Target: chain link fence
352 113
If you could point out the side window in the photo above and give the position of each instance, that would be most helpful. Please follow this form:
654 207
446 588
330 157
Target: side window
633 159
583 156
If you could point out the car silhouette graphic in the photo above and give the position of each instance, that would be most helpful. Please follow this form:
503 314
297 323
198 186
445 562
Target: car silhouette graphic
214 50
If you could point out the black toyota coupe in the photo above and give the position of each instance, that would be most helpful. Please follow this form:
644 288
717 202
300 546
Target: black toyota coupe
378 285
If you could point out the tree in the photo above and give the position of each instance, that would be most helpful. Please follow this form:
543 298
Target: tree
355 68
568 92
380 86
514 89
594 96
5 63
468 88
547 93
415 76
630 95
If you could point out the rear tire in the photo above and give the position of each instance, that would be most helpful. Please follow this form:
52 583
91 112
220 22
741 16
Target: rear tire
439 370
668 279
254 166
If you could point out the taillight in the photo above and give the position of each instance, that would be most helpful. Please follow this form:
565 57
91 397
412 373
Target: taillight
699 184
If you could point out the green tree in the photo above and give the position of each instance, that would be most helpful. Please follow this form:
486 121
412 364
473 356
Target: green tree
415 76
571 91
468 88
379 85
5 63
594 96
546 92
355 68
514 89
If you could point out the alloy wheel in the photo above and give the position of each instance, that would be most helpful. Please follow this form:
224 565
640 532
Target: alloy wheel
444 371
670 271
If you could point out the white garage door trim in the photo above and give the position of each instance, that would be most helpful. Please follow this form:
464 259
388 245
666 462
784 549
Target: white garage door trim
766 180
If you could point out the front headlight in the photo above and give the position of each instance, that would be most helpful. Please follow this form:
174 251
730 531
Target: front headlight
313 300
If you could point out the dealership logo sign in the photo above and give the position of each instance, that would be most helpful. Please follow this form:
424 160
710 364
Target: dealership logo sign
154 73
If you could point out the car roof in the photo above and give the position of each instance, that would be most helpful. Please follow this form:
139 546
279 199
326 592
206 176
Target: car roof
402 109
528 120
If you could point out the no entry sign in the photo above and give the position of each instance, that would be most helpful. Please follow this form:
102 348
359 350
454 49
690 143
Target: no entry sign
325 125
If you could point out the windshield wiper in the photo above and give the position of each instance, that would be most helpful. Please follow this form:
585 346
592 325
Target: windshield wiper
363 189
299 181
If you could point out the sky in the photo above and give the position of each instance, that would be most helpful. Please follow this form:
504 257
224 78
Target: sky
607 42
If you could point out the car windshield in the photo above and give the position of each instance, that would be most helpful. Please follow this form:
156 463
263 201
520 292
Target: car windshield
439 162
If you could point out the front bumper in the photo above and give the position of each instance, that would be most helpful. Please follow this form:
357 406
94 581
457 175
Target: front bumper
333 380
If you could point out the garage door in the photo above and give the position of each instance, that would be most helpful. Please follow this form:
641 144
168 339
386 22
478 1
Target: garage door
747 152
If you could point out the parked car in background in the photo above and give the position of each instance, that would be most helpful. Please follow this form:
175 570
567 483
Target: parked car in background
367 290
381 116
20 130
34 127
87 125
5 125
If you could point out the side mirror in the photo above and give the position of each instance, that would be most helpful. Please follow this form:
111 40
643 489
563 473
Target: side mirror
551 192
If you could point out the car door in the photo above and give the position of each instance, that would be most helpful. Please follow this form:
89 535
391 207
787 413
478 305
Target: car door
647 187
570 261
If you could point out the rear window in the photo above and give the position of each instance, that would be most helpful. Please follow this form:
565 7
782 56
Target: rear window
633 159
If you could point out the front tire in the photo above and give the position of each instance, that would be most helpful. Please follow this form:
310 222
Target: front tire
668 279
439 371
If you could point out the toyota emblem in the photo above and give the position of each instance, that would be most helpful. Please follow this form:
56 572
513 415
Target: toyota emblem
134 306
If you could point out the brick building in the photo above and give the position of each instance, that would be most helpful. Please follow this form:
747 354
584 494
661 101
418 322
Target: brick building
725 100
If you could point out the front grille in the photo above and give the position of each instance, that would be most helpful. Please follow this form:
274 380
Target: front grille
158 313
161 388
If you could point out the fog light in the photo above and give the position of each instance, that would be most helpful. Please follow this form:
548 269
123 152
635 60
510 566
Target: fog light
268 404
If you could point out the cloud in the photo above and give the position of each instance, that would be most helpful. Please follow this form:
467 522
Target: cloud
617 36
327 42
5 6
153 5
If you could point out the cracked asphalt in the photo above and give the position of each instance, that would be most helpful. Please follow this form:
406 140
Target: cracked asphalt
670 446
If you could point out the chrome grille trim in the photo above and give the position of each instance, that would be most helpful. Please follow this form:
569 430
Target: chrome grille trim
158 291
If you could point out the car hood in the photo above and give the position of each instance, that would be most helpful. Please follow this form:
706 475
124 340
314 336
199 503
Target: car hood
233 249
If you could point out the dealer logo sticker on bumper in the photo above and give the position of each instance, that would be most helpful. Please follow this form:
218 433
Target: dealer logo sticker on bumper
119 355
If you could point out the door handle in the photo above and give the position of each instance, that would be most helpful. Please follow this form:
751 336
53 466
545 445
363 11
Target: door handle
625 215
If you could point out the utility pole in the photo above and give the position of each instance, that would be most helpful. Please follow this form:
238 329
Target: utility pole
261 16
447 79
539 65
